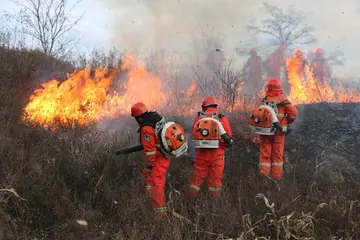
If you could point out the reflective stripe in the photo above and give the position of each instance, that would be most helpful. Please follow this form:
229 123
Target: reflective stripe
293 117
265 164
276 164
194 187
215 189
280 115
150 153
148 187
160 209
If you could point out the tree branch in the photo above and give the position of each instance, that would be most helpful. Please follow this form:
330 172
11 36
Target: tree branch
49 22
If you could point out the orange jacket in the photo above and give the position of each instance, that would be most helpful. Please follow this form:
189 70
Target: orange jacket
320 67
276 61
224 121
150 142
286 113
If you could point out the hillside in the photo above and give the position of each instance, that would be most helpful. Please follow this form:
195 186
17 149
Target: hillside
51 180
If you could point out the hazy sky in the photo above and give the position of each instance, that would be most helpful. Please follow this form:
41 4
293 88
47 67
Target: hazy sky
154 24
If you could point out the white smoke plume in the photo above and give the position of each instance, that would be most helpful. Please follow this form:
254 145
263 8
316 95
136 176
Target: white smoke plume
174 24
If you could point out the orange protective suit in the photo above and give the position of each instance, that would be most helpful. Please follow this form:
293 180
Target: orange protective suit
254 69
275 62
320 67
272 147
154 178
209 161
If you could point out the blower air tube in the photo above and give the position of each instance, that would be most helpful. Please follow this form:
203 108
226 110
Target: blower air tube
130 149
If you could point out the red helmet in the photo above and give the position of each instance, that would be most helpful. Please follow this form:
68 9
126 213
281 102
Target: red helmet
298 53
138 109
282 47
253 52
274 84
319 50
209 101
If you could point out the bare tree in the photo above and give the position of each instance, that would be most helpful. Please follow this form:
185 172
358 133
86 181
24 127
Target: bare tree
287 27
49 22
231 81
223 83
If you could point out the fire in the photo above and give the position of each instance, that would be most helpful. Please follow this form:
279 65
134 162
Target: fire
305 89
189 99
141 86
87 96
84 98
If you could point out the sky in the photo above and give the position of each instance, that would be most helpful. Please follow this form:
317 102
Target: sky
148 25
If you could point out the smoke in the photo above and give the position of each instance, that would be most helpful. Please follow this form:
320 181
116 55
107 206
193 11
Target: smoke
180 26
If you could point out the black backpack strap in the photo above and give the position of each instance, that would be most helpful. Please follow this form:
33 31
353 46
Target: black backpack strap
283 103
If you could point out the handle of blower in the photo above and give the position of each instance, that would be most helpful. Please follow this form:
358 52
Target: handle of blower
130 149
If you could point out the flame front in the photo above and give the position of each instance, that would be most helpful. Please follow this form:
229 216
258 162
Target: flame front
84 97
305 89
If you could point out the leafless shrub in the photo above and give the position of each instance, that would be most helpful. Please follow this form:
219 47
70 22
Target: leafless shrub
225 84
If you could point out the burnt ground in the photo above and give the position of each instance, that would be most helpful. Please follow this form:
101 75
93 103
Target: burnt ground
69 175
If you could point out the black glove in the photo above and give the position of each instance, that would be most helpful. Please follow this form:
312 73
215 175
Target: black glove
280 128
230 143
289 130
227 140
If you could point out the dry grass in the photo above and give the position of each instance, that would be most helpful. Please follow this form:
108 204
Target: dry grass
68 185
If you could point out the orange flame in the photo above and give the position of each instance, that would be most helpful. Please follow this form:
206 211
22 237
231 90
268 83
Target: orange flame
84 97
305 89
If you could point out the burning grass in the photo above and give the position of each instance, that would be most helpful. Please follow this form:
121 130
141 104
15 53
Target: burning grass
66 185
90 96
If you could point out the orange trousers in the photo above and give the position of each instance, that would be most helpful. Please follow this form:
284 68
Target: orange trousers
209 162
271 155
154 181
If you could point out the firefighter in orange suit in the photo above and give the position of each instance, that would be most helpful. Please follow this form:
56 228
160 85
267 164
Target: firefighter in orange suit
320 67
272 147
153 176
210 161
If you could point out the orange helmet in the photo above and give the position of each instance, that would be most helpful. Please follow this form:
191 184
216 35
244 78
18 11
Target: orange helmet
253 52
298 53
208 101
319 52
282 47
273 85
138 109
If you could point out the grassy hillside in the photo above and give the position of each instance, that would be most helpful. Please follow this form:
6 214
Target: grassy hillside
51 180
